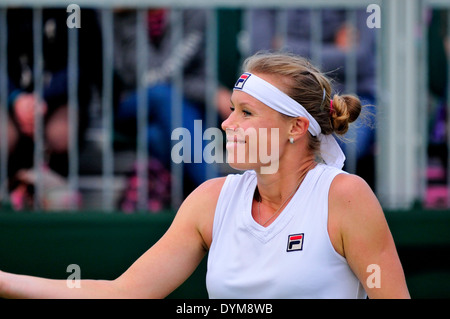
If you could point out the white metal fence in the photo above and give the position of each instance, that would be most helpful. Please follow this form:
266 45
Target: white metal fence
402 96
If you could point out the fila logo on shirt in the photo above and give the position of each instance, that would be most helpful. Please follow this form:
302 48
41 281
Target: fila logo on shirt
295 242
241 81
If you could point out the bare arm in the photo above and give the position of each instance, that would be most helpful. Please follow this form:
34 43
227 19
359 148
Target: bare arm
160 270
29 287
363 237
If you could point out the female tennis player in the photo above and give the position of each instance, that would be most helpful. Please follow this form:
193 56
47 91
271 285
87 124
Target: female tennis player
305 230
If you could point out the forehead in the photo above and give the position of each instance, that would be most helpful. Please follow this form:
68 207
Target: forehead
240 98
243 100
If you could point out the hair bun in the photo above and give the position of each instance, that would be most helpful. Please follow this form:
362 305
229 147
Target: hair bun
346 109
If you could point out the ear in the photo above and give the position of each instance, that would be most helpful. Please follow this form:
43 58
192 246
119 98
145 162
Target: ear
299 127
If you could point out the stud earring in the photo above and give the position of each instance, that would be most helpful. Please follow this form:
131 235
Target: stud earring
291 140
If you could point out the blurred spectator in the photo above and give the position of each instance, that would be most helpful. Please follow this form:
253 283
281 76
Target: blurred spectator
55 90
165 59
12 134
338 38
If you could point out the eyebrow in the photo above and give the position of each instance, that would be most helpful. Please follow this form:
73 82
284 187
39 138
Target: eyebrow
243 104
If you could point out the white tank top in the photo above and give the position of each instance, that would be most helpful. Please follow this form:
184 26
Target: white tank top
291 258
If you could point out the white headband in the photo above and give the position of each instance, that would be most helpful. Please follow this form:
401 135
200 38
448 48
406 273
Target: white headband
274 98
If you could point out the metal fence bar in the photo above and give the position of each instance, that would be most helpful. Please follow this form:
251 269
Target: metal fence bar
211 80
176 20
244 39
73 107
380 100
3 107
411 111
281 25
107 160
316 36
386 178
423 96
398 117
142 109
351 88
38 65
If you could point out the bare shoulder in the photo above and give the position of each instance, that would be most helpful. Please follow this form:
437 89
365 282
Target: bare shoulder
212 185
349 188
200 206
352 206
349 191
207 194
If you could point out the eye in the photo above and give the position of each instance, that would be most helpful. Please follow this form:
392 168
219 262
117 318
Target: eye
247 113
232 108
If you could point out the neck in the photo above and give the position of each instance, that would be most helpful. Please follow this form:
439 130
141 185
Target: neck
273 189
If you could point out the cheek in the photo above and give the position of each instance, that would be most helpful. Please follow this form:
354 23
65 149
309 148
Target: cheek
270 132
262 138
269 140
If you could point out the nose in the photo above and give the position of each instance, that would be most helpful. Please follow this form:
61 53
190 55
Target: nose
229 123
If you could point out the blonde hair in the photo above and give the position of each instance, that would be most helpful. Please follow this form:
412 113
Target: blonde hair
306 84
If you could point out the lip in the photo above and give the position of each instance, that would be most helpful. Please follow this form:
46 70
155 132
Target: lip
235 139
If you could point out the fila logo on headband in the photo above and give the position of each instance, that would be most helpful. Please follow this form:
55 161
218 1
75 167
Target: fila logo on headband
295 242
241 81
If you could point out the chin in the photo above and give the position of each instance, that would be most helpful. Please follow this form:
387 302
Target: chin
242 166
239 163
